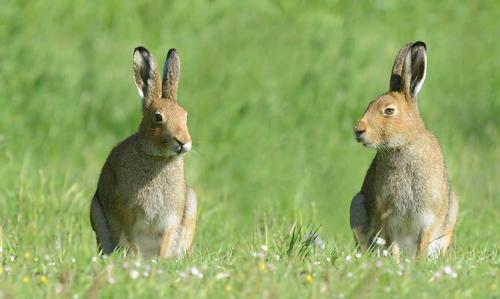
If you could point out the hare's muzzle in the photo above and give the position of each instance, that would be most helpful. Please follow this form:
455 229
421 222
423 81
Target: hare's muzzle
181 147
359 134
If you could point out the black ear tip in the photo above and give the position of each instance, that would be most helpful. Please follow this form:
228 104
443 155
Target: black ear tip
419 44
171 52
143 51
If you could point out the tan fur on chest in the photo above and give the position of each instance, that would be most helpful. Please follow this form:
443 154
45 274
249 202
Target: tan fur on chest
398 184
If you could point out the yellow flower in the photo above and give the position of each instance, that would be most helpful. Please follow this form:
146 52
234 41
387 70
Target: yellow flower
493 286
309 279
27 255
1 270
261 266
44 279
228 288
25 279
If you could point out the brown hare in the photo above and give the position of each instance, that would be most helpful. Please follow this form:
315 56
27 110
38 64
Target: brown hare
142 202
406 198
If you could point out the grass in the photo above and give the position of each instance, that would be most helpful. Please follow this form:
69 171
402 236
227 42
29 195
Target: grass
273 89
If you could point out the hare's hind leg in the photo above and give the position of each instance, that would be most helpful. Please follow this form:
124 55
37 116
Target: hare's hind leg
101 227
188 226
359 221
441 244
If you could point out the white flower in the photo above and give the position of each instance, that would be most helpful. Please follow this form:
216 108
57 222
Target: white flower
125 265
134 274
12 258
378 263
196 272
385 252
349 274
448 270
358 255
183 274
73 260
454 275
380 241
94 259
153 261
145 274
263 247
348 258
437 274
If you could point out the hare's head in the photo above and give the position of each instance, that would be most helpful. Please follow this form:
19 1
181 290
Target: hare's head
164 122
392 120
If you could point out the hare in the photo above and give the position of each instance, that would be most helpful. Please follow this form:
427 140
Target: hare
406 197
142 202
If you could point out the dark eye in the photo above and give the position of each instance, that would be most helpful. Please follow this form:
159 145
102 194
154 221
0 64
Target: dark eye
158 118
389 111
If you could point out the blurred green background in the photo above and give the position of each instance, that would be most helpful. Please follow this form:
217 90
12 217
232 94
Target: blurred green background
273 89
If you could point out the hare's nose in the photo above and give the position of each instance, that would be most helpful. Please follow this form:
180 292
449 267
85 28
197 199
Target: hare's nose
359 132
186 147
182 147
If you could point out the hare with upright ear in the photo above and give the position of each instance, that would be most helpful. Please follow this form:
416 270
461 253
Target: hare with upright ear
142 202
406 197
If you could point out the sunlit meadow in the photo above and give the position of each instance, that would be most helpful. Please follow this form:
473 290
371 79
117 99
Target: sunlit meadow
273 89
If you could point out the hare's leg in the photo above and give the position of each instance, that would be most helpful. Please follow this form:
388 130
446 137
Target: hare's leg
441 244
166 242
359 221
188 223
101 227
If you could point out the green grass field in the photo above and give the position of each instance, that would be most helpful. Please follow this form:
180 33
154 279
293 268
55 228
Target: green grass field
273 89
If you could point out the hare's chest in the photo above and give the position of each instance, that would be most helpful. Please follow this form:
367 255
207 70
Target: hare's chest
397 192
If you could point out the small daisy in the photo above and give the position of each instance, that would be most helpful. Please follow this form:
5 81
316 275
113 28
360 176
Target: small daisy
196 272
134 274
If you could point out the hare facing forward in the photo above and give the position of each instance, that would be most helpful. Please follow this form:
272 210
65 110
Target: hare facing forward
406 197
142 202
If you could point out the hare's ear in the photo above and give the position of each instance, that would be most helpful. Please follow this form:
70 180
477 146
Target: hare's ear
171 73
409 69
145 75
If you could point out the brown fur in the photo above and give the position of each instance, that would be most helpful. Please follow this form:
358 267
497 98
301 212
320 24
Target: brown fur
406 197
142 202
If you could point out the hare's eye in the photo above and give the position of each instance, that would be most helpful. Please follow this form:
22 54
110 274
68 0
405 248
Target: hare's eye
158 118
389 111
